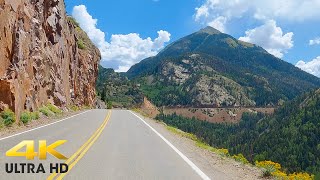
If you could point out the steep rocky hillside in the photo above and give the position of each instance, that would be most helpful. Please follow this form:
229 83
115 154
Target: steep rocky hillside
45 57
116 89
212 69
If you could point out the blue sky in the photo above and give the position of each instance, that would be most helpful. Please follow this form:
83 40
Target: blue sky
145 17
284 28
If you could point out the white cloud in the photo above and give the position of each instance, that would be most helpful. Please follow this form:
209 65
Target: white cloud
219 23
122 51
201 12
163 37
270 37
88 24
293 10
127 50
315 41
312 67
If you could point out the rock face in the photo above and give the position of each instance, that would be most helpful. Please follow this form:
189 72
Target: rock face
209 89
41 59
219 91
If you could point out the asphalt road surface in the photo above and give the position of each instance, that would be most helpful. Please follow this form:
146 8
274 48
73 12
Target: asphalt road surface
103 144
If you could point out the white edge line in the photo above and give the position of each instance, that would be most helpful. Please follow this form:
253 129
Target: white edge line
187 160
43 126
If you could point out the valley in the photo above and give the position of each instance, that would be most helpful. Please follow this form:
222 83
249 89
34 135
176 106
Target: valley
206 101
212 115
217 115
230 94
283 137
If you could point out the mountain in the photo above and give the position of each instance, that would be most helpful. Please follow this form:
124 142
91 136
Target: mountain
117 89
210 68
45 57
289 137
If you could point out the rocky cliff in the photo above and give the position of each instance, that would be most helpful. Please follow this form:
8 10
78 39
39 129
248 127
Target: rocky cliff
45 57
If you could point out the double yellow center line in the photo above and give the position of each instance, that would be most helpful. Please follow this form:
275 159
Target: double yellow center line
72 161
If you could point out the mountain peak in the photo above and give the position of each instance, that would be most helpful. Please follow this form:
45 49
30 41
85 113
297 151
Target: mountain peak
209 30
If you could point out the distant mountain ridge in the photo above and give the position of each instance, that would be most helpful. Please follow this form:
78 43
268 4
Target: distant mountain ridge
212 68
117 89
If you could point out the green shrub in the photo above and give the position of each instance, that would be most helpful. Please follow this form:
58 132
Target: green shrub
35 115
109 105
268 167
8 117
46 111
74 108
81 44
86 107
25 117
73 21
268 170
1 122
54 109
223 152
240 158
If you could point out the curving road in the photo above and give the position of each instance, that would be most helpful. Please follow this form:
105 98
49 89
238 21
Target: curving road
103 144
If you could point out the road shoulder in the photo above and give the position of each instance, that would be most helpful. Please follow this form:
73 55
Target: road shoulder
43 121
214 165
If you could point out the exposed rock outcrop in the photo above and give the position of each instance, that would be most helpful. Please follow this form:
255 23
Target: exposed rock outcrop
205 86
41 60
219 91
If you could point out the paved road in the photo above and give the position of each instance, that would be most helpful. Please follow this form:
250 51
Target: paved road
105 144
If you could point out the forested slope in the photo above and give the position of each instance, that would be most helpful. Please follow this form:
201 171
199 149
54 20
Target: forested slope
117 90
290 136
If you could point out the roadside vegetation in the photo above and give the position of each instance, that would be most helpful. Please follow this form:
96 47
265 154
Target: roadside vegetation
274 169
269 168
54 109
27 116
109 104
8 117
289 137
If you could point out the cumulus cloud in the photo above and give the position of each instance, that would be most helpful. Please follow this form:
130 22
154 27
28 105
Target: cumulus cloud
127 50
315 41
123 50
163 37
219 23
202 12
293 10
270 37
312 67
88 24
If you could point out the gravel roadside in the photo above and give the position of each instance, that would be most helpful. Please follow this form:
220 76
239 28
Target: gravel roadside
212 164
43 120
